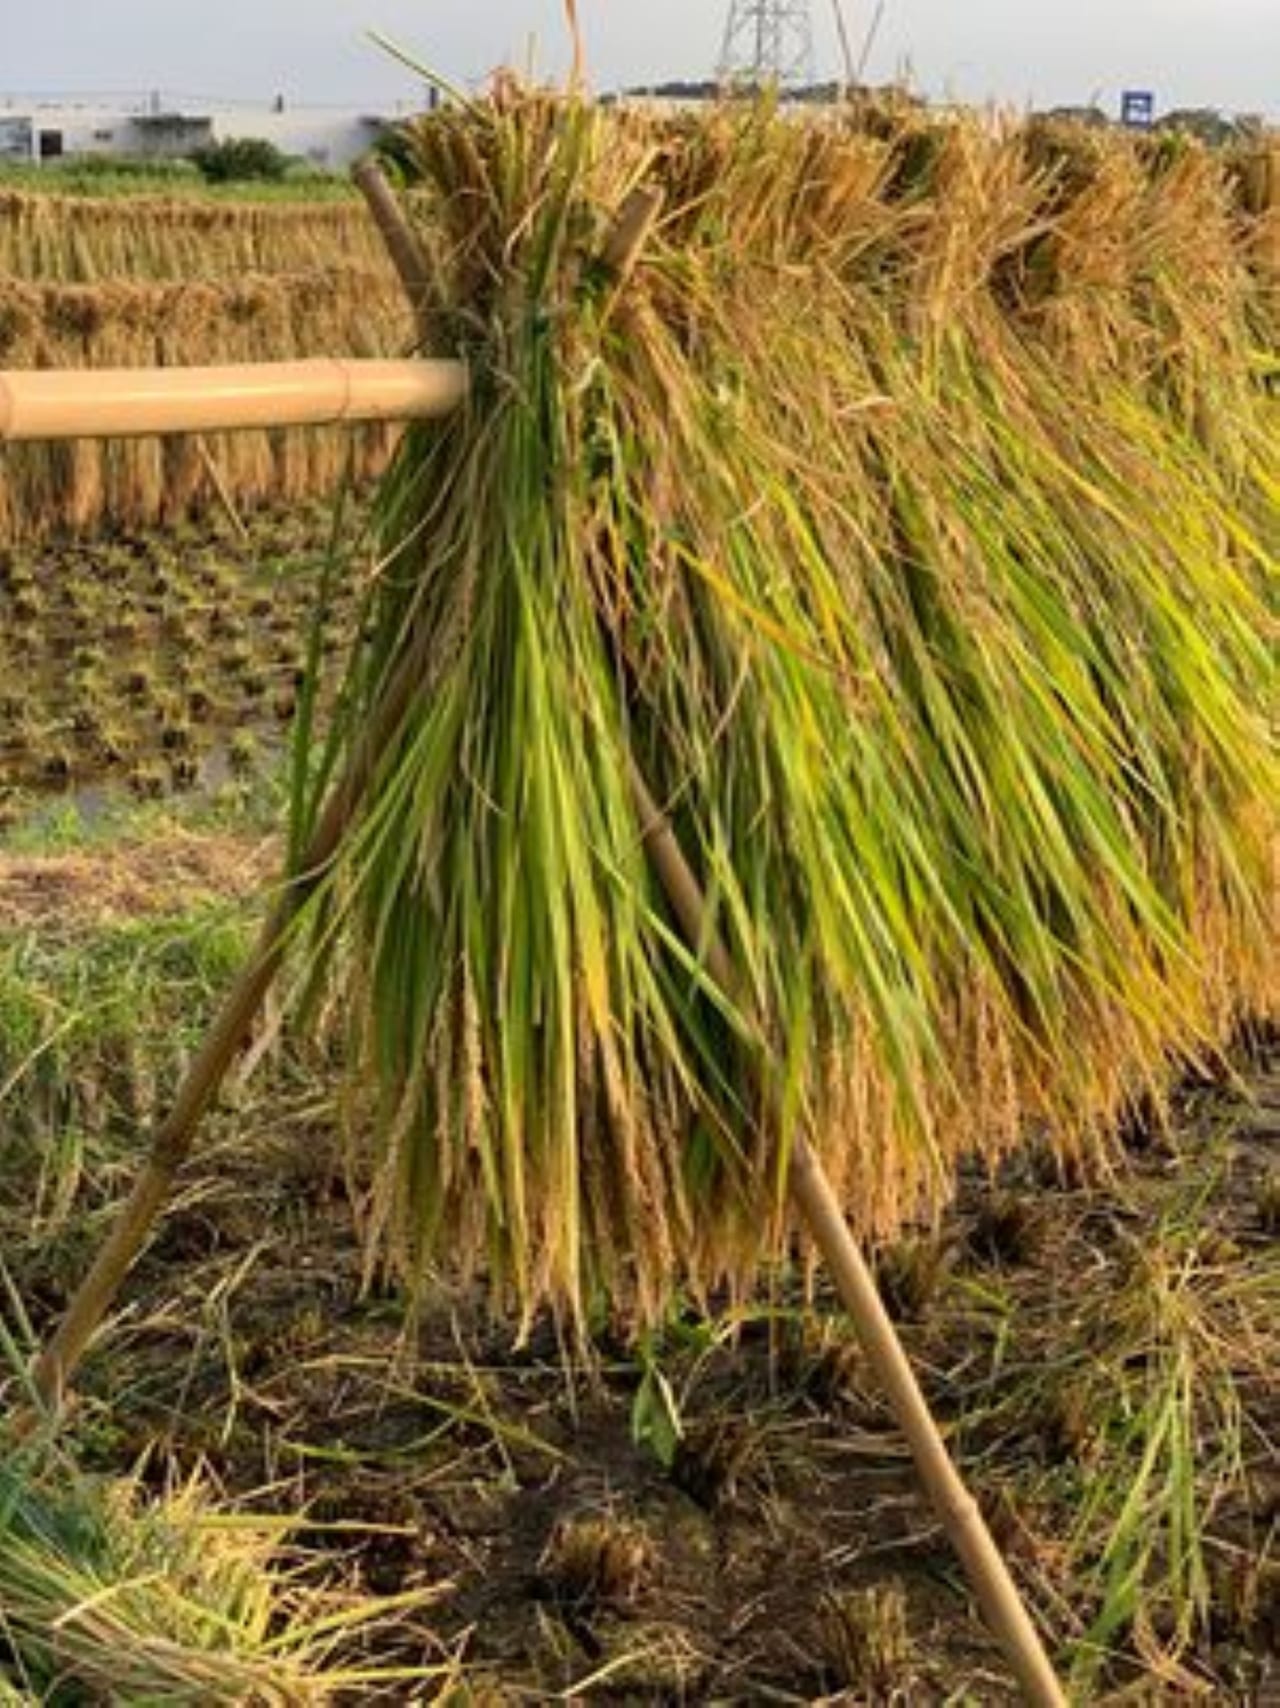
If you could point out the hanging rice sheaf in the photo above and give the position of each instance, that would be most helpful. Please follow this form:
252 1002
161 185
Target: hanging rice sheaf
905 525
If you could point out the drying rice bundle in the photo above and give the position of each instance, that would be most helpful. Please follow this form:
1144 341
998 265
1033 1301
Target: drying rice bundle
88 239
1259 188
943 641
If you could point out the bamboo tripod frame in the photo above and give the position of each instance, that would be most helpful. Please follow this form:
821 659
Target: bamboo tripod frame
811 1192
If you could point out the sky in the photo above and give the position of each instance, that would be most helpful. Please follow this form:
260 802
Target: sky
1223 53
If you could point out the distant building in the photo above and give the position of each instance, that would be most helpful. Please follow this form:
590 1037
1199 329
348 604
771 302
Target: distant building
682 96
156 128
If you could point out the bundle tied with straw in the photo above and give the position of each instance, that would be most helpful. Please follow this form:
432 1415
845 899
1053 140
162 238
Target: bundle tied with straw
940 631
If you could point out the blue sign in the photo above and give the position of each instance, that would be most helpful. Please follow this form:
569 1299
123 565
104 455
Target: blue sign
1138 109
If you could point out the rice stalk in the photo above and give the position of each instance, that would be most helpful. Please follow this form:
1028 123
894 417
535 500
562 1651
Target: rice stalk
945 640
53 238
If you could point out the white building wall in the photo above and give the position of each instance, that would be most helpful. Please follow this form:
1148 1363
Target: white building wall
83 129
329 138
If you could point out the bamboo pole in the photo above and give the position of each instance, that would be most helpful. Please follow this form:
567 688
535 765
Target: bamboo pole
61 403
630 232
402 246
65 404
819 1209
220 487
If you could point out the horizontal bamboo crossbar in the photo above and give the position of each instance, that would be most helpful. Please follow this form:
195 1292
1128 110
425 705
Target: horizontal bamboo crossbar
59 403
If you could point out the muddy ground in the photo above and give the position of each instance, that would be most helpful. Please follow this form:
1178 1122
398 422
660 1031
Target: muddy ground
724 1513
761 1538
159 663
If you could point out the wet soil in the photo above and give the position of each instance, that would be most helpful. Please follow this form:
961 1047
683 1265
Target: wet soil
759 1538
161 662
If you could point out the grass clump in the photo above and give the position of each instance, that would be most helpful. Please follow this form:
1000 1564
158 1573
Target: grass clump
1127 1407
1157 1375
1269 1203
108 1592
603 1561
867 1640
97 1020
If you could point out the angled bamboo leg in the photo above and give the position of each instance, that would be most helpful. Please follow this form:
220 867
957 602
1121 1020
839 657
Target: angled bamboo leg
819 1210
173 1140
175 1137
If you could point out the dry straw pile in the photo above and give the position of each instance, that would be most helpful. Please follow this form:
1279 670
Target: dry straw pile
139 281
84 240
909 518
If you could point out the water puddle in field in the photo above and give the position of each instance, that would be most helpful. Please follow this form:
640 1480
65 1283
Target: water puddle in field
154 668
40 810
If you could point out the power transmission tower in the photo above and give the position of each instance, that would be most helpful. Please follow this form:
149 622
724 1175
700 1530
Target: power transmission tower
768 41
